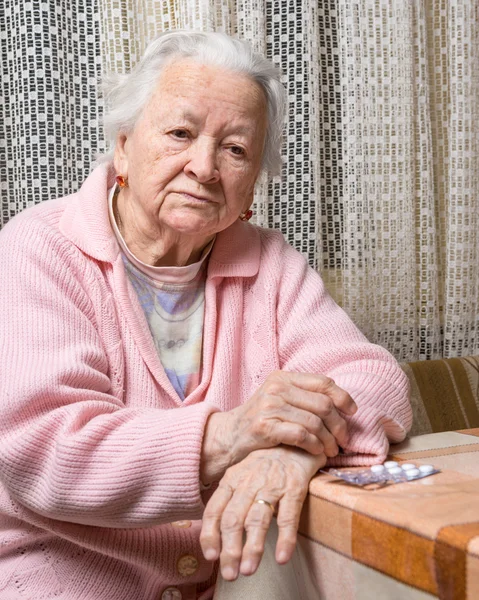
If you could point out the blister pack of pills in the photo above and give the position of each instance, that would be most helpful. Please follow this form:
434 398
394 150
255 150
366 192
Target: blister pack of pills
387 473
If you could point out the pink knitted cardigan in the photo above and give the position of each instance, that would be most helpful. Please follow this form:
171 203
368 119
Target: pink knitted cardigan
98 455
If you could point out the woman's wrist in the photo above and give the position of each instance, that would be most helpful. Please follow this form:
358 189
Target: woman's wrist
216 450
308 462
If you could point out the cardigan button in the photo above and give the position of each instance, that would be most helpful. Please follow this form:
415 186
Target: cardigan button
187 565
171 593
181 524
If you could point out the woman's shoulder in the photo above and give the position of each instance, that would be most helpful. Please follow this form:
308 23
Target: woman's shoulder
272 259
275 246
35 237
66 217
36 219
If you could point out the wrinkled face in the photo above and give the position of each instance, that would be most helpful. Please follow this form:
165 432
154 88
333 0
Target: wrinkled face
195 153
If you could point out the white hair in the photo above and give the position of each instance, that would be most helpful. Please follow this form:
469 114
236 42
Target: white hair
127 95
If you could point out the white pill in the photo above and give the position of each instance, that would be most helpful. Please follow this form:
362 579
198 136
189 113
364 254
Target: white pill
413 473
390 463
426 469
395 470
378 468
407 466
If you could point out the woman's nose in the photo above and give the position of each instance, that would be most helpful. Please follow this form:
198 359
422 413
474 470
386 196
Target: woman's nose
202 164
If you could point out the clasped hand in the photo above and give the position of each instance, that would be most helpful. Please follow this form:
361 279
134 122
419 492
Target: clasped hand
268 449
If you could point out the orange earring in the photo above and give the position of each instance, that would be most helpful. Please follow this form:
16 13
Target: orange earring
246 216
122 181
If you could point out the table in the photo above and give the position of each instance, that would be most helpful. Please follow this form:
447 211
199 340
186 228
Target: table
414 541
411 541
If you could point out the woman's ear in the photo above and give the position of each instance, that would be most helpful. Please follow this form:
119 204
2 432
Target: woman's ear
120 157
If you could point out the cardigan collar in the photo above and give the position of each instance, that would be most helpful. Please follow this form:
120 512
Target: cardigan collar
85 222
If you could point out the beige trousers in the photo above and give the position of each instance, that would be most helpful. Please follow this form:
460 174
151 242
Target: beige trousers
293 581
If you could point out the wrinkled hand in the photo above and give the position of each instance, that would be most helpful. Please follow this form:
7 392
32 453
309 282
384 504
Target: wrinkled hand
278 475
295 409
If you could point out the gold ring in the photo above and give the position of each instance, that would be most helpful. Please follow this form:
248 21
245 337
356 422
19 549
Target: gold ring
260 501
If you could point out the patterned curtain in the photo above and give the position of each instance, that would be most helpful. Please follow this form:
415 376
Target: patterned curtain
409 86
49 114
380 185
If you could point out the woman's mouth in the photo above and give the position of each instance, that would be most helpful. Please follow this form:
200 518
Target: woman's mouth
195 198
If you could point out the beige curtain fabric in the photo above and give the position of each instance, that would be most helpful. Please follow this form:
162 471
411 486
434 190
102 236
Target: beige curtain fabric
380 185
410 110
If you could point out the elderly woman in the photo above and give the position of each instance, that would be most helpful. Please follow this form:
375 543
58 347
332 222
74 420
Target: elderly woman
161 354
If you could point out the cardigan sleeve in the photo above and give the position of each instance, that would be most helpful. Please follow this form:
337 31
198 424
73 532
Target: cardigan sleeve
315 335
69 449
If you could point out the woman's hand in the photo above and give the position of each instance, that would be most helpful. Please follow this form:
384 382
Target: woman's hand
295 409
280 476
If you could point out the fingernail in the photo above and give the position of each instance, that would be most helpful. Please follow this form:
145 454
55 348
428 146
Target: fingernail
246 567
211 554
228 573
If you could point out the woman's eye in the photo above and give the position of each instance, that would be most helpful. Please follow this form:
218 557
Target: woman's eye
181 134
237 150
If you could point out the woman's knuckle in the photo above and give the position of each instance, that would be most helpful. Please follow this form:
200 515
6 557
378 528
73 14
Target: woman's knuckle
260 426
266 429
287 521
256 548
339 428
223 485
257 519
301 435
209 514
326 381
274 388
327 407
230 521
232 554
205 538
254 522
296 492
276 375
314 423
270 405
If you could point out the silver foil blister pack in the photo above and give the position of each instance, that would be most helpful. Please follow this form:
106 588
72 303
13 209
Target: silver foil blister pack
387 473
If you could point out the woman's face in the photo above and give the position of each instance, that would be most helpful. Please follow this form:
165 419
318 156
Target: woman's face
195 153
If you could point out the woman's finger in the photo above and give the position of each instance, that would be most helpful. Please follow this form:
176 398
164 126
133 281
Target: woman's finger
257 524
289 512
318 383
306 408
337 426
232 531
327 440
325 413
210 537
292 434
327 424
